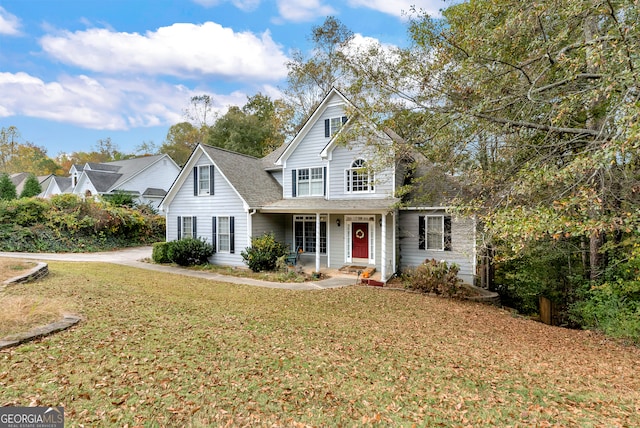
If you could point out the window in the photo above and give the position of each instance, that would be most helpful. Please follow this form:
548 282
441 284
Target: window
333 125
310 182
305 234
203 180
434 233
223 234
359 178
186 227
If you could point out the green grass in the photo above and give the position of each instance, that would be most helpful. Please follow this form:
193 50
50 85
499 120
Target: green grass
166 350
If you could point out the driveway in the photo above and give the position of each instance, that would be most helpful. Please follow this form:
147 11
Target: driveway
134 257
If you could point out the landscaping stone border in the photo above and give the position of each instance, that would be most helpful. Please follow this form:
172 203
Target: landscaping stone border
39 271
41 331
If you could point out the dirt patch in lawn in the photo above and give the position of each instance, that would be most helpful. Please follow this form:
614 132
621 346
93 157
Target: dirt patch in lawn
21 313
10 268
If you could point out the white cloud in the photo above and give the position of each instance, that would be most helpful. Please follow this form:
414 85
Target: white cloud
109 104
183 50
303 10
9 24
398 7
246 5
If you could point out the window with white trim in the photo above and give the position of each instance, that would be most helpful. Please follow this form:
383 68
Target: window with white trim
224 235
305 234
204 180
434 232
310 182
186 227
359 177
333 125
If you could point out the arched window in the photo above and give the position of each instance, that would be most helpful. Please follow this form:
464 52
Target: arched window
359 177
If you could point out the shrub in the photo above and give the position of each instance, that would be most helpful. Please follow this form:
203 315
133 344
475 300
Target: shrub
263 253
160 251
120 199
189 251
7 188
31 187
434 276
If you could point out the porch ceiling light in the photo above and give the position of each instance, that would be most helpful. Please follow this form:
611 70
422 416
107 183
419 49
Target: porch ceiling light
338 222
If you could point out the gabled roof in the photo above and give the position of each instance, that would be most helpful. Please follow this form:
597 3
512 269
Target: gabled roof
63 183
431 186
107 167
247 175
300 136
108 176
102 181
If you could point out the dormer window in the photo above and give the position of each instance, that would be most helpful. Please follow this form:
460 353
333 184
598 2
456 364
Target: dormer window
359 177
203 180
333 125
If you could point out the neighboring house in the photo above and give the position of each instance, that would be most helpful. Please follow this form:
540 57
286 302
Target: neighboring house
147 178
320 196
20 178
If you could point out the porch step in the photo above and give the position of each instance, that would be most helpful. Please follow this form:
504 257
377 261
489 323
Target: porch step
353 269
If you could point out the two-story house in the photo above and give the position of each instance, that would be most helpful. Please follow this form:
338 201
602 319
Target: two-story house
146 178
334 201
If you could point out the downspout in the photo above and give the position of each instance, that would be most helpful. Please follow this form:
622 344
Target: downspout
250 214
383 249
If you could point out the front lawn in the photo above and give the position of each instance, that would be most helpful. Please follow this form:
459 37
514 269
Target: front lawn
166 350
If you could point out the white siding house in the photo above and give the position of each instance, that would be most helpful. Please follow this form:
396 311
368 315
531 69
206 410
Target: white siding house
336 202
146 178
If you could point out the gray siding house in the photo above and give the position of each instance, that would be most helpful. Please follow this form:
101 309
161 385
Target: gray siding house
336 202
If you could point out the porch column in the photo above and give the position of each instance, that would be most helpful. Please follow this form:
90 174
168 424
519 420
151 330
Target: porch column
317 242
383 248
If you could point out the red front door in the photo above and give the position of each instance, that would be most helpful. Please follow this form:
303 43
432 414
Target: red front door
360 240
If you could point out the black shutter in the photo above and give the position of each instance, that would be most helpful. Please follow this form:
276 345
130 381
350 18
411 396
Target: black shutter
214 235
232 247
294 175
211 180
327 131
324 181
447 233
344 119
194 227
195 181
179 227
421 233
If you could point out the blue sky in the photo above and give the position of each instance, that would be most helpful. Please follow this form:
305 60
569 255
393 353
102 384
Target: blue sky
73 72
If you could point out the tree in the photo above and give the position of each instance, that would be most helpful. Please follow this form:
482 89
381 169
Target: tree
31 187
537 105
254 129
200 111
8 140
309 79
7 188
181 139
28 157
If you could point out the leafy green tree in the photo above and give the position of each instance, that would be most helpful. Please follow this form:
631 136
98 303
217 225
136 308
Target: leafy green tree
31 187
181 139
254 129
535 103
7 188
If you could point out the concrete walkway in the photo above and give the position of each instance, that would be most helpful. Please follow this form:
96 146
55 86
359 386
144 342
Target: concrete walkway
133 257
